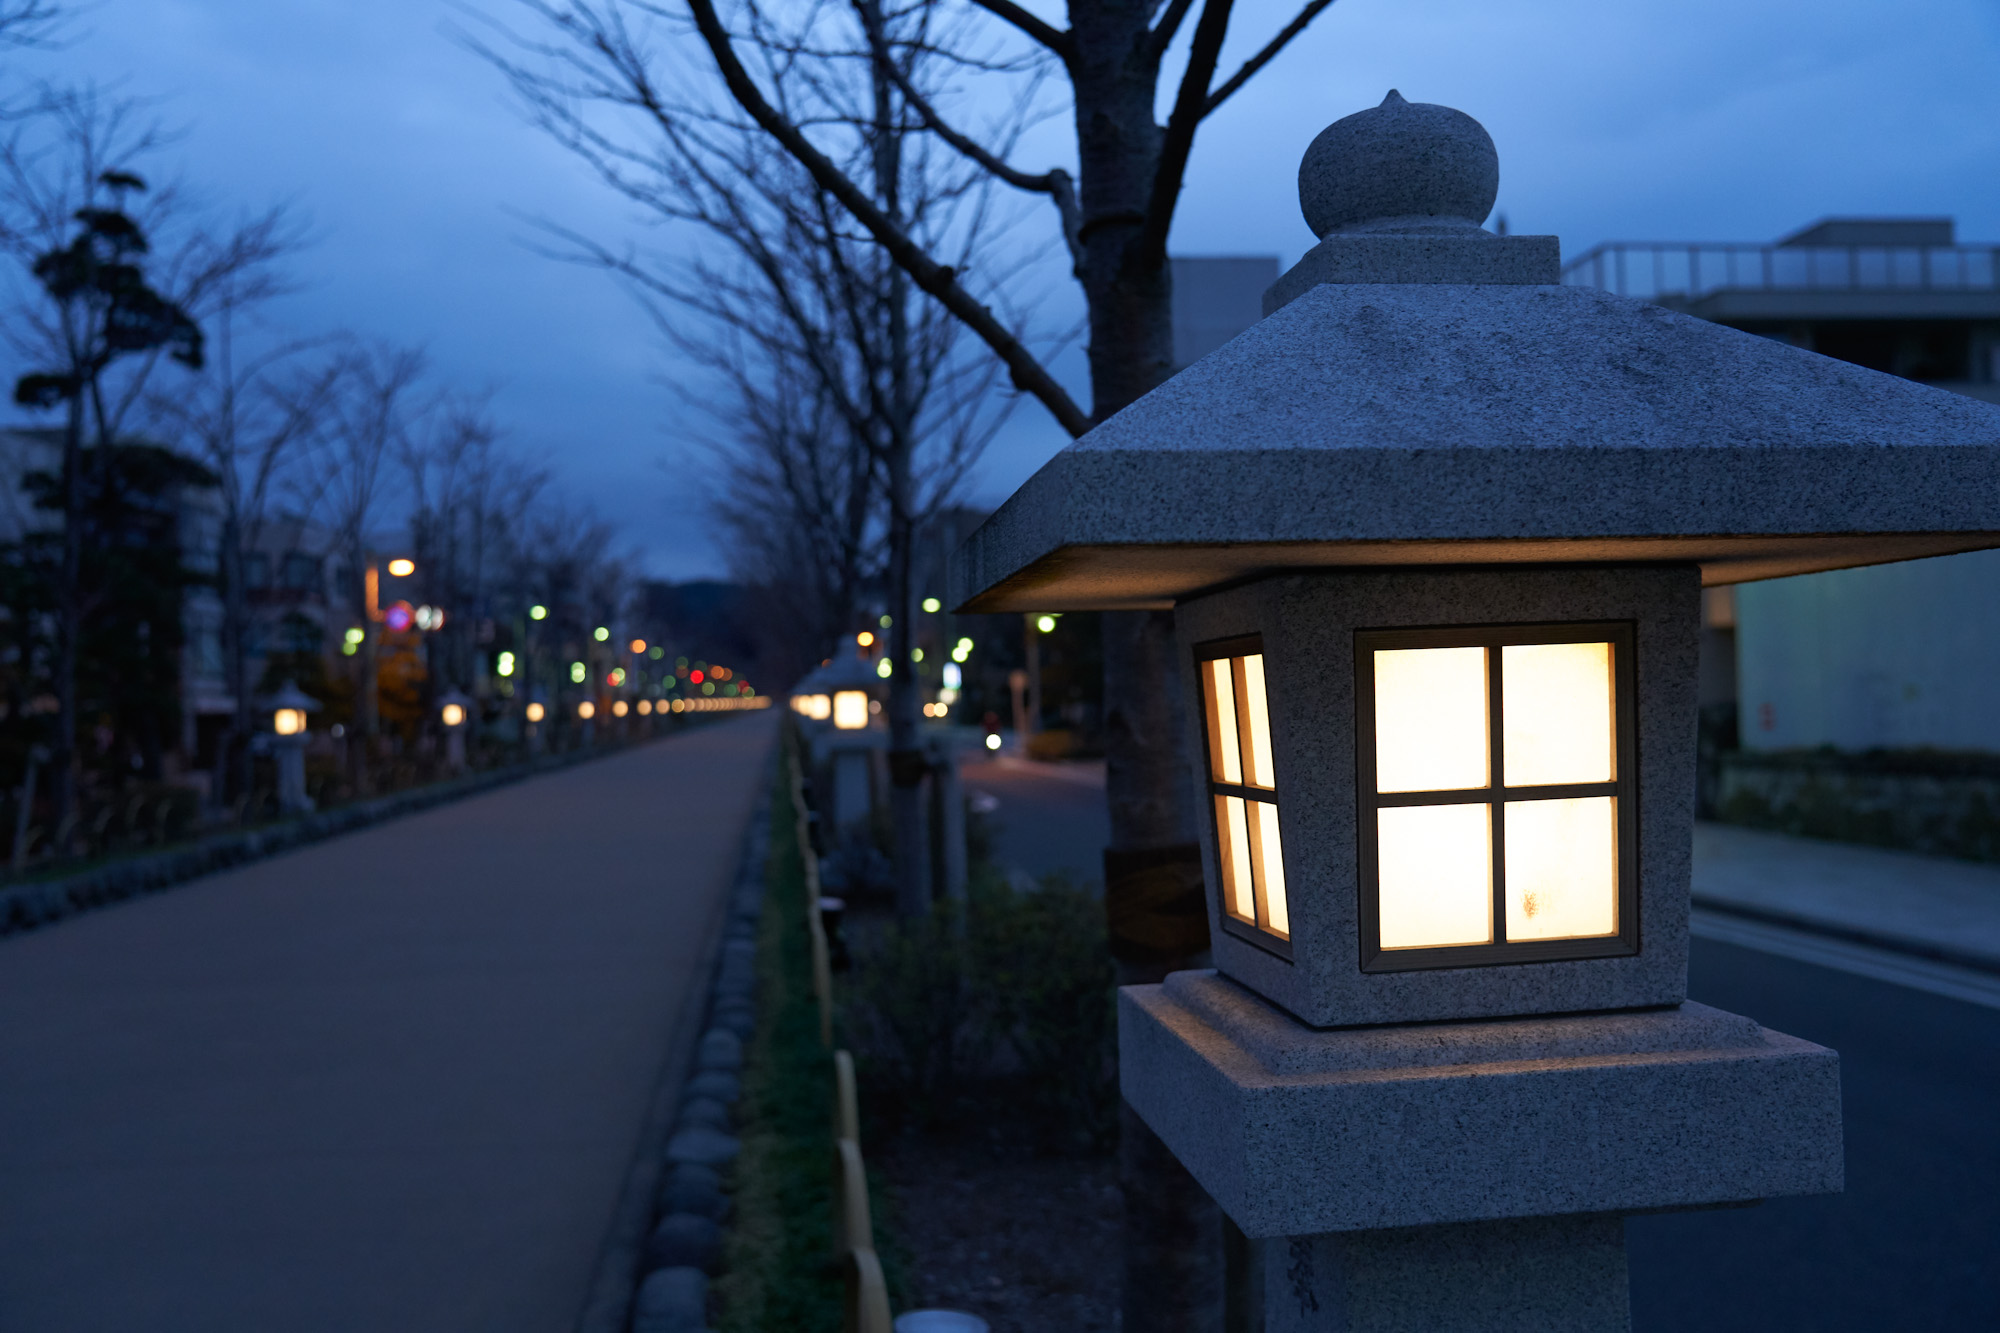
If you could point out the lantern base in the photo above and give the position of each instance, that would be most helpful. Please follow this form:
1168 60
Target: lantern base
1297 1130
1537 1275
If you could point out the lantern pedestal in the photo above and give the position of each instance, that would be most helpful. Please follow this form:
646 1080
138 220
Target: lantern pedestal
290 753
1545 1274
1403 1170
454 748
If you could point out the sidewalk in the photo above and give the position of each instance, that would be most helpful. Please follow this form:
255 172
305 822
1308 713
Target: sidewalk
392 1081
1928 906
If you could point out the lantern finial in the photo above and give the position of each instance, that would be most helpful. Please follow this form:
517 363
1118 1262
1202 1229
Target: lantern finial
1399 166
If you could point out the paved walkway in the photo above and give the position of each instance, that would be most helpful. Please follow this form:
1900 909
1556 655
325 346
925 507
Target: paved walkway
390 1082
1927 905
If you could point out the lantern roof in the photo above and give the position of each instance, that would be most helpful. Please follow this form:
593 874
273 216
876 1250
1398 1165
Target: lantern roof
1424 392
289 695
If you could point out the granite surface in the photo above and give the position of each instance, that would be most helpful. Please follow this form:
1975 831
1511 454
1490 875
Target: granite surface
1418 423
1539 1275
1672 1109
1464 255
1308 622
1405 163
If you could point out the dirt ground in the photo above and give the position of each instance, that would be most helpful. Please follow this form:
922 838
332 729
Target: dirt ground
1026 1241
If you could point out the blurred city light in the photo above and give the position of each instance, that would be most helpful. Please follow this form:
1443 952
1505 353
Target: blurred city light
916 654
885 622
883 668
538 613
645 708
953 677
402 568
619 708
932 605
865 639
577 671
454 714
600 634
1045 624
536 712
992 741
638 645
586 710
504 664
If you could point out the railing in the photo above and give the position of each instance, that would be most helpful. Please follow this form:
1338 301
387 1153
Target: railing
1652 271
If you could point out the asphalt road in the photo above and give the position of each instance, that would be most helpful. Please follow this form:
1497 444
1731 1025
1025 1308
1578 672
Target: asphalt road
390 1082
1914 1242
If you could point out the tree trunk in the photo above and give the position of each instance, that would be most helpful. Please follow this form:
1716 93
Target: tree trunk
69 619
235 756
1152 873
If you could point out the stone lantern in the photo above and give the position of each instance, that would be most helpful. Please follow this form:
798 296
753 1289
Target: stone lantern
845 746
1434 533
454 710
291 710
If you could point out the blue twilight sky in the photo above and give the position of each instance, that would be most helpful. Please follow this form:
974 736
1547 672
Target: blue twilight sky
1642 119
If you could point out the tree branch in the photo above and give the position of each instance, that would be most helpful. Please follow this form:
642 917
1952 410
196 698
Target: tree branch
1058 41
1056 182
938 281
1264 57
1168 26
1189 106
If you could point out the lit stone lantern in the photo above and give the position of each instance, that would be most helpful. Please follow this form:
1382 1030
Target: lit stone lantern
1434 534
291 708
843 694
453 709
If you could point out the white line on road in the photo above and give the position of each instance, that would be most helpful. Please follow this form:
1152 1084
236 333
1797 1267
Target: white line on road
1901 969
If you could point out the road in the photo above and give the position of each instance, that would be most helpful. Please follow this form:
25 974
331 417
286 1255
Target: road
389 1082
1914 1242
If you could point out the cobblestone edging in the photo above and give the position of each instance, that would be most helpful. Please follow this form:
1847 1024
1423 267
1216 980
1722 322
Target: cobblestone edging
667 1242
27 906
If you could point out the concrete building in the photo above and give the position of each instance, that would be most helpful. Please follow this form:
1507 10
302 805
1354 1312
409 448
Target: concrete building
1901 656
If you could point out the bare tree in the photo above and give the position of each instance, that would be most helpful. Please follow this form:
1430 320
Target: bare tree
250 420
367 422
1114 216
111 303
854 408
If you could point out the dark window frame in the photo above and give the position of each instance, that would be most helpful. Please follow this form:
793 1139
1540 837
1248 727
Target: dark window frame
1242 645
1623 788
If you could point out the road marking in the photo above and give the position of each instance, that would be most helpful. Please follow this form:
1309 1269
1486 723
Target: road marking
1901 969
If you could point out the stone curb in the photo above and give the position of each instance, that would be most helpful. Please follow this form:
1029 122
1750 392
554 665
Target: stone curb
653 1276
25 907
1972 960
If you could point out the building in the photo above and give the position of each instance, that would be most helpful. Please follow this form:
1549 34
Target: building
1896 657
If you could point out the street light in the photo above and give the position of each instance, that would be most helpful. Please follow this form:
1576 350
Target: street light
586 710
402 567
536 712
538 612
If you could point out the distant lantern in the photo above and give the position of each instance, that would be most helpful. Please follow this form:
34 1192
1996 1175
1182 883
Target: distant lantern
289 709
850 710
536 712
586 710
645 708
452 708
619 708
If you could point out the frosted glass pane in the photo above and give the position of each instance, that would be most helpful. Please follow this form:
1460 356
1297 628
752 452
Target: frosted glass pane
1436 875
1562 868
1556 709
1257 725
1430 719
1223 764
1232 839
1270 867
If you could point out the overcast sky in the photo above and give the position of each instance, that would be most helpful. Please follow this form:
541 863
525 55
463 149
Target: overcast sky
1637 119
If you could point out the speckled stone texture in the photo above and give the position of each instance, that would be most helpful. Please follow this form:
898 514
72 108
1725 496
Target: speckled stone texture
1545 1275
1402 163
1295 1131
1379 424
1463 254
1308 623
